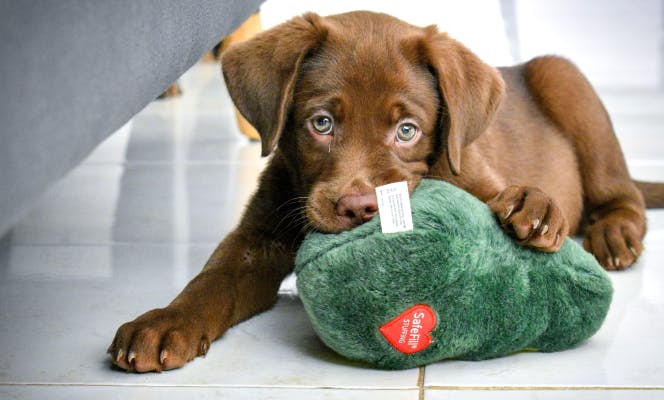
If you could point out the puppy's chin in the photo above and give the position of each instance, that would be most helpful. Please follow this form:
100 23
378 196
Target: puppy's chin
330 225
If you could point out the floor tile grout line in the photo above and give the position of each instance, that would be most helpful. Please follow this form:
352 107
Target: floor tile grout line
202 386
420 383
544 388
114 243
170 163
421 388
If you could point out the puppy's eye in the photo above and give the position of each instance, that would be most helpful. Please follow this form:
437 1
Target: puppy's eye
407 132
322 124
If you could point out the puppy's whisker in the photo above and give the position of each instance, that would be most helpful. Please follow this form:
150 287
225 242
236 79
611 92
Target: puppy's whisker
294 216
296 223
288 202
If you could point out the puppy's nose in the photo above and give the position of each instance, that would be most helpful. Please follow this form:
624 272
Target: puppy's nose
358 208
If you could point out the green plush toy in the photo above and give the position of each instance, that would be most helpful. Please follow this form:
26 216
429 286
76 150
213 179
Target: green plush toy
455 287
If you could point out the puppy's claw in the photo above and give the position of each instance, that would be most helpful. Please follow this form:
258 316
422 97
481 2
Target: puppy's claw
204 347
163 357
545 229
131 357
633 250
536 223
119 355
508 212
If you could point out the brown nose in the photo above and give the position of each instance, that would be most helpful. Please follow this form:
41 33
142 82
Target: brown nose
358 209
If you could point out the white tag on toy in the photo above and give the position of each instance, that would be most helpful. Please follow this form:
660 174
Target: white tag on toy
394 207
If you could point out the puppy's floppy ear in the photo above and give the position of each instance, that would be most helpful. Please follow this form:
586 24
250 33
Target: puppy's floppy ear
260 73
471 89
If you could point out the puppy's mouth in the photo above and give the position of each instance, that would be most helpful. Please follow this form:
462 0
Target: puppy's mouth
330 211
347 212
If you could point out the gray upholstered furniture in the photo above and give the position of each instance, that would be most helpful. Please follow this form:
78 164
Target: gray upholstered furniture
74 71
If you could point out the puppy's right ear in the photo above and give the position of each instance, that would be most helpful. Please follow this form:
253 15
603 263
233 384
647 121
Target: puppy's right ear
260 73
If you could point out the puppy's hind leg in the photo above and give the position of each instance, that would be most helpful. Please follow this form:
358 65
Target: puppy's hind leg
614 207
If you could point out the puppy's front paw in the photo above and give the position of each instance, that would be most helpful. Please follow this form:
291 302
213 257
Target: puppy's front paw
531 216
615 240
160 339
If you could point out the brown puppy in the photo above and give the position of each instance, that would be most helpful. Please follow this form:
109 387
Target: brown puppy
353 101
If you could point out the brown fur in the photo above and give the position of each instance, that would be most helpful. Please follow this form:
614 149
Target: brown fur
533 141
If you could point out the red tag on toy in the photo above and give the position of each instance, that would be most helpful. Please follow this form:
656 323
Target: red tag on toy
410 332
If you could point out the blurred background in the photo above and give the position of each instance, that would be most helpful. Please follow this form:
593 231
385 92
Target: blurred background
616 43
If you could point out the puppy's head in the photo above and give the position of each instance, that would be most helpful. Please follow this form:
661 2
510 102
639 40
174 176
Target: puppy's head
358 100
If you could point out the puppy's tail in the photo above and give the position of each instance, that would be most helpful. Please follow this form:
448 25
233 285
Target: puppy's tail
653 193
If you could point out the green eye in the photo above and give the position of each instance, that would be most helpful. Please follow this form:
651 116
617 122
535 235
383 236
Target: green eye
322 124
406 132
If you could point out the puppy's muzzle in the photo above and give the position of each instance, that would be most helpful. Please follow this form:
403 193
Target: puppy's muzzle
357 209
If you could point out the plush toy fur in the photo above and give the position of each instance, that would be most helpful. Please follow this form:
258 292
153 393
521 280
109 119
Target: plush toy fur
491 297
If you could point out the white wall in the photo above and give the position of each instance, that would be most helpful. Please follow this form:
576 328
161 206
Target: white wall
590 32
476 23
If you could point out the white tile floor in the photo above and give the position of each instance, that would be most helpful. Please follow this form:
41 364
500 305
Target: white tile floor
126 230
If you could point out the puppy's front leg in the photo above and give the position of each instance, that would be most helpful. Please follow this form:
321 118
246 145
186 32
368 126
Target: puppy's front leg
241 279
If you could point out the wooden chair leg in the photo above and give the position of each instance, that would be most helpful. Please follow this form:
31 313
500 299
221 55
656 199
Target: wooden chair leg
173 91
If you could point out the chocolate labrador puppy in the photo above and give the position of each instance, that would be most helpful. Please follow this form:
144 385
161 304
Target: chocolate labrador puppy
353 101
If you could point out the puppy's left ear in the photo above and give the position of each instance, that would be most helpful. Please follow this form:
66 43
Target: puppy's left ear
471 89
260 73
